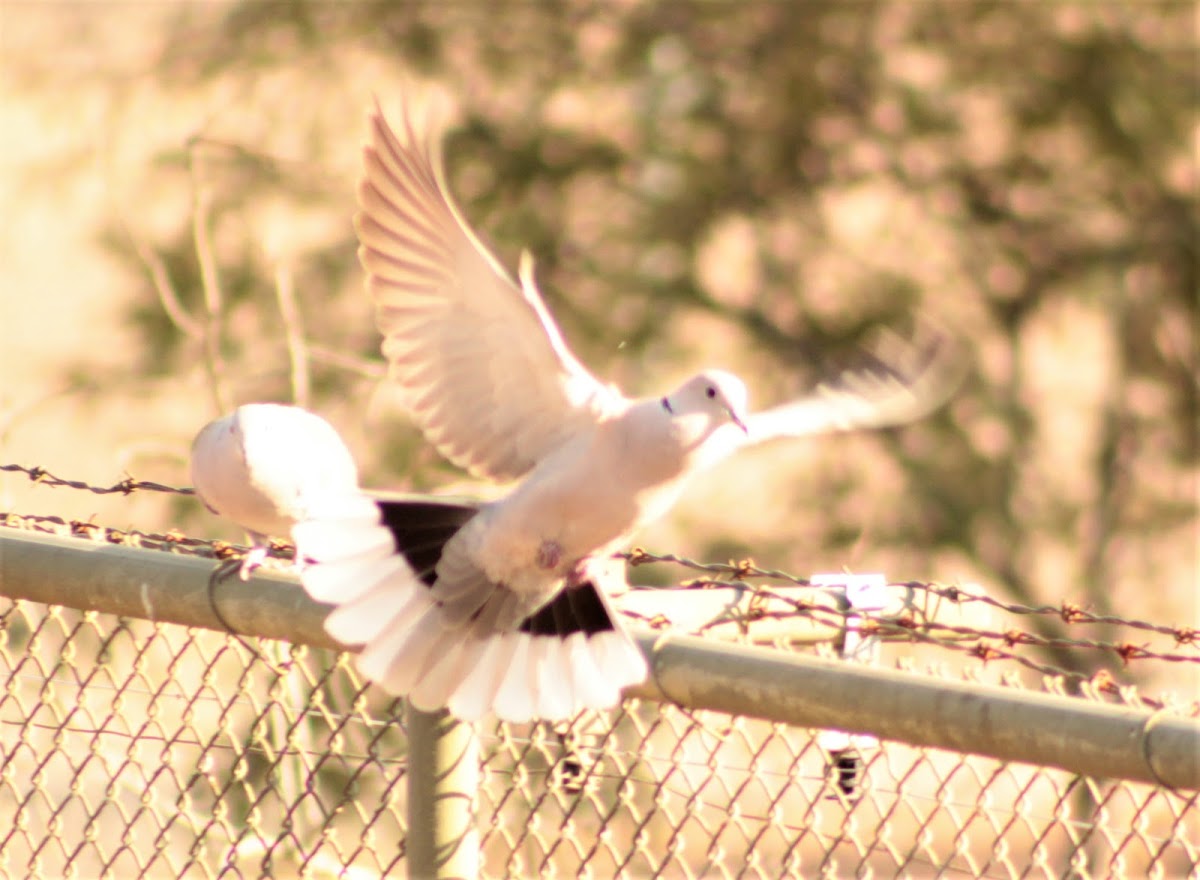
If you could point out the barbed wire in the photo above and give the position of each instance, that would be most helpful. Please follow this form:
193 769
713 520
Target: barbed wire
1069 612
56 525
914 623
985 645
126 486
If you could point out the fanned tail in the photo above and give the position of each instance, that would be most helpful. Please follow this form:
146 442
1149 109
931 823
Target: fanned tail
375 561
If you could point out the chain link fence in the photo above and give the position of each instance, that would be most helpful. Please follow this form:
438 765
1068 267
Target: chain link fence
134 748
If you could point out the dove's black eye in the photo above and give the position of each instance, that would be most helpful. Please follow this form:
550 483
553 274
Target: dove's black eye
710 392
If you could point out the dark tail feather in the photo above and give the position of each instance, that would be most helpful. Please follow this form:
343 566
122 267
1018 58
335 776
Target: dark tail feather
574 609
422 528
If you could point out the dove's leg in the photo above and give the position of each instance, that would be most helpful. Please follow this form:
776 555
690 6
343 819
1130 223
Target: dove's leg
255 556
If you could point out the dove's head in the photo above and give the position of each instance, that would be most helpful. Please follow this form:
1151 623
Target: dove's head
714 393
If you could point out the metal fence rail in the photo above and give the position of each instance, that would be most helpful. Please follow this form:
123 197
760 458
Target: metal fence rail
135 742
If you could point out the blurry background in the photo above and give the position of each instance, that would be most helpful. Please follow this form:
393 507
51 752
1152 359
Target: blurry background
753 186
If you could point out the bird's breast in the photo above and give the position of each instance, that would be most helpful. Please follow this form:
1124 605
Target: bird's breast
585 499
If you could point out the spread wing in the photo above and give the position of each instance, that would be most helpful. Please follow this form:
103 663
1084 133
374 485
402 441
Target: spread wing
479 362
901 382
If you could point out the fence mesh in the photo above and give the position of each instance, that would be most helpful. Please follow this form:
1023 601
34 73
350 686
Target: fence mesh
137 749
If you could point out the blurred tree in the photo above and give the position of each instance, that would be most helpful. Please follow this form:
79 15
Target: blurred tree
768 181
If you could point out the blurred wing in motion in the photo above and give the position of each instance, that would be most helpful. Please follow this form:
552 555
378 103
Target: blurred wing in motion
478 360
901 381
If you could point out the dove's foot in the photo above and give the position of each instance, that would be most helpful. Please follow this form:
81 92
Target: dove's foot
549 555
252 561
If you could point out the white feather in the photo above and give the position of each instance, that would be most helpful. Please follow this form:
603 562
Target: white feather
392 607
434 689
552 678
419 654
619 657
357 507
347 580
473 698
515 696
325 541
397 657
589 682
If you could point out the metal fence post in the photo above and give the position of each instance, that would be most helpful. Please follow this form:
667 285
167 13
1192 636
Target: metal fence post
443 779
865 595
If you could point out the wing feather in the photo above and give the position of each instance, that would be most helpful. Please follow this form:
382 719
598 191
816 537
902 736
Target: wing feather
901 382
479 362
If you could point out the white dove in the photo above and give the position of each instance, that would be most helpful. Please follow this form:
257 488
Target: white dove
265 466
505 610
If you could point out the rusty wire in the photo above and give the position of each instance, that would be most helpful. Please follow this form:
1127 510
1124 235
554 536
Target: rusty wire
987 645
984 644
740 571
745 570
126 486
